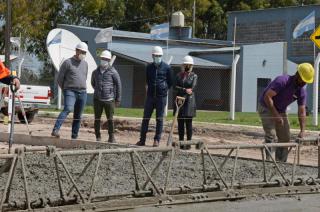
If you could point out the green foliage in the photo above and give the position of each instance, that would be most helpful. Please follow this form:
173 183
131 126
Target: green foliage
32 20
28 77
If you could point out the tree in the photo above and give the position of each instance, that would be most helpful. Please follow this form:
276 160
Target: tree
31 20
34 19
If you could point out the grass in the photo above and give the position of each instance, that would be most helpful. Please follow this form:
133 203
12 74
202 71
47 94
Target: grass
242 118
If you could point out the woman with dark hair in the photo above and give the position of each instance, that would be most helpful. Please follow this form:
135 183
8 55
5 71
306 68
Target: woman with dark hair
185 85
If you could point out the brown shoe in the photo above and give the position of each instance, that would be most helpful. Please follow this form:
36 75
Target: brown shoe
155 143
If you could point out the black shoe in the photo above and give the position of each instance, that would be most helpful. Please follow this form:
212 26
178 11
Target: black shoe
74 137
98 139
55 134
111 139
140 143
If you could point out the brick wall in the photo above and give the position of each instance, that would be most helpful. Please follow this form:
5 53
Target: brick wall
260 32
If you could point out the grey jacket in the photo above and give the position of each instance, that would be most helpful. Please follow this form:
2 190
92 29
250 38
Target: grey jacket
73 74
106 85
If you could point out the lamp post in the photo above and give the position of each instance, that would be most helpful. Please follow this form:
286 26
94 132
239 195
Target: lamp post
8 33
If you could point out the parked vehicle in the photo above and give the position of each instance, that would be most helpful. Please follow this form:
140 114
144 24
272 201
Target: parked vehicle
31 97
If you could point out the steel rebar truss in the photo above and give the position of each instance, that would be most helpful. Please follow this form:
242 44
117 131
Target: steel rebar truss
303 141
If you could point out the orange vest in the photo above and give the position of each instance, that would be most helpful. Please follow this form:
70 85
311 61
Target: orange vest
4 72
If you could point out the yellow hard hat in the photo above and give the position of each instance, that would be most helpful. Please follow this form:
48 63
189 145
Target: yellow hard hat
306 72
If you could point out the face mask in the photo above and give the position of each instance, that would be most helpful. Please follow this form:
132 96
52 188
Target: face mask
157 60
188 68
82 56
104 64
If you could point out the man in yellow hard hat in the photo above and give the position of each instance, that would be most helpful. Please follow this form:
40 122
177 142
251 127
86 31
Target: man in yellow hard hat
273 103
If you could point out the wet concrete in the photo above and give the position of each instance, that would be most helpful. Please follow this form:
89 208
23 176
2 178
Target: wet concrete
116 174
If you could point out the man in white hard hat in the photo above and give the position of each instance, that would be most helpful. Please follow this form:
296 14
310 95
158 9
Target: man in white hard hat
72 79
106 83
159 81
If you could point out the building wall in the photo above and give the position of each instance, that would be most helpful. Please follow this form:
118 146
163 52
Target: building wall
263 61
292 69
274 25
223 58
126 72
139 86
212 92
87 35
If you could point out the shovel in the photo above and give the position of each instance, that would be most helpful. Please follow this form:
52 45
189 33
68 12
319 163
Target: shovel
13 90
179 103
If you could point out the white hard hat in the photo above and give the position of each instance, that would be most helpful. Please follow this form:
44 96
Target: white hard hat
106 54
157 50
188 60
82 46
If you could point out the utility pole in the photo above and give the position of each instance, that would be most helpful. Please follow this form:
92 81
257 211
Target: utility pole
194 19
8 33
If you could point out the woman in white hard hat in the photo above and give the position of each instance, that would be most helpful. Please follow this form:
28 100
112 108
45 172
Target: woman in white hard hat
185 85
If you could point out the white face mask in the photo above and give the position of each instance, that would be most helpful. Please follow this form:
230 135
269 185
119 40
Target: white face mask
187 68
157 60
82 56
104 63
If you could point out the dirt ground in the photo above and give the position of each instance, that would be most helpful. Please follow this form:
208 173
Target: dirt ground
127 132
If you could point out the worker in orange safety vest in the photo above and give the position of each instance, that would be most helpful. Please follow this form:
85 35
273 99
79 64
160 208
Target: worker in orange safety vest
6 78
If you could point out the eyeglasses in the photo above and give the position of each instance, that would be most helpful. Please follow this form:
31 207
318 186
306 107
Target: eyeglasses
187 65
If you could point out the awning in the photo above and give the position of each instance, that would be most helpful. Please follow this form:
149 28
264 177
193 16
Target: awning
141 53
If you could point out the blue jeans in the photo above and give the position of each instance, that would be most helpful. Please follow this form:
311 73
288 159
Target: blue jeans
152 103
73 100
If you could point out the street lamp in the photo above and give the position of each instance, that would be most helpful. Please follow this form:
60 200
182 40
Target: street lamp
7 33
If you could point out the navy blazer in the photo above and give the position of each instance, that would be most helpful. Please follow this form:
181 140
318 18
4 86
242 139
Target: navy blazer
159 79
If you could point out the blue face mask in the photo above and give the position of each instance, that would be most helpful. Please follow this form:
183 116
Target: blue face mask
157 60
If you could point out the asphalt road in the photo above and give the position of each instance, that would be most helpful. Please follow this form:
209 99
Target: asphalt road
305 203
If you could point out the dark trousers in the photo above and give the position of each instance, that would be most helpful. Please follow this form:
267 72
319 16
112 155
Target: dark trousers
184 122
152 103
108 107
